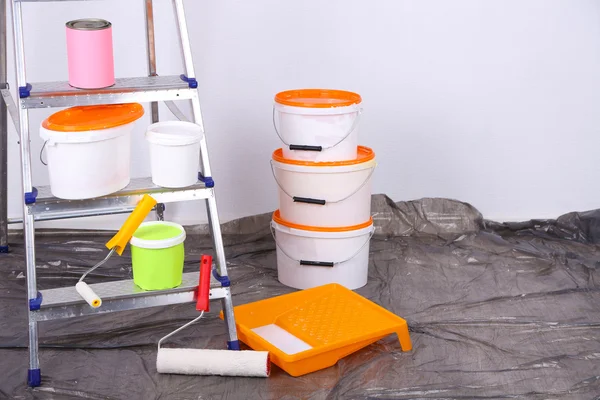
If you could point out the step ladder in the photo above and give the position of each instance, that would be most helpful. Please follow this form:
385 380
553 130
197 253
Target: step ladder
39 205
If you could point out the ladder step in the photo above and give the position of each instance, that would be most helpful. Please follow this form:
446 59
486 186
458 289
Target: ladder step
47 207
120 296
126 90
43 1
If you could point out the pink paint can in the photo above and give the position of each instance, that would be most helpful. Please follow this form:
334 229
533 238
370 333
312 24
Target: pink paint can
90 53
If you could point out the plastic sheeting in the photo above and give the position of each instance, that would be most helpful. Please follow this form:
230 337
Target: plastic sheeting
495 311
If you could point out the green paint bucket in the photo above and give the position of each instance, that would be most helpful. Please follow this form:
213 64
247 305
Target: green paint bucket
157 255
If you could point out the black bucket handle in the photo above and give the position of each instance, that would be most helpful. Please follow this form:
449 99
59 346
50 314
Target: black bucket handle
306 147
328 264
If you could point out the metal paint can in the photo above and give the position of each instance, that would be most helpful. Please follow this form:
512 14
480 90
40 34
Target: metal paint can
90 53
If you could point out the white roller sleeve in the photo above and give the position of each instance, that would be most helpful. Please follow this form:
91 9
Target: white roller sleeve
88 294
213 362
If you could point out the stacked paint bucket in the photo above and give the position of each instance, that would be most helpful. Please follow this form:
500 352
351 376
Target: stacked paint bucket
323 225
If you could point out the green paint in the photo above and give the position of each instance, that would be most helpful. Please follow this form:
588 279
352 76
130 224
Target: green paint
157 269
157 232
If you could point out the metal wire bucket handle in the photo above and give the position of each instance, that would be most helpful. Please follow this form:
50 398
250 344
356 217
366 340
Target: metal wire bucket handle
329 264
299 199
316 148
42 152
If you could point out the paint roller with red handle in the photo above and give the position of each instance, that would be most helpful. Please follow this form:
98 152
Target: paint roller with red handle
203 302
247 363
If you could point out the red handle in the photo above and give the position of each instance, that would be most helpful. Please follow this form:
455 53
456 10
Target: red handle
202 302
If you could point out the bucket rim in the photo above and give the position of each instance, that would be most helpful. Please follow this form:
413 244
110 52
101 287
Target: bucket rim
317 98
280 221
190 133
159 244
365 154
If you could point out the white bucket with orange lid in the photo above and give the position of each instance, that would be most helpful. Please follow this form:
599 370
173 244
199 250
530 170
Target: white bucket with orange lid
318 124
312 256
89 149
326 194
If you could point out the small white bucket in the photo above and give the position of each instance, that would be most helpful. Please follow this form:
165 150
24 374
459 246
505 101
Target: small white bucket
83 160
174 153
318 125
333 194
309 256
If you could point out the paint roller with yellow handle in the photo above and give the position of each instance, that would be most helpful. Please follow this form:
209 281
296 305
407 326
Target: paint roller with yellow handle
117 244
135 219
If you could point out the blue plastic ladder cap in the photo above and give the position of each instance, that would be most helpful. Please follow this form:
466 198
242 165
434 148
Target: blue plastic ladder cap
192 82
31 197
25 91
36 304
208 181
225 282
3 249
233 345
34 377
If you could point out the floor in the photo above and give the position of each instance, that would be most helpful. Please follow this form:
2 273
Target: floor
494 310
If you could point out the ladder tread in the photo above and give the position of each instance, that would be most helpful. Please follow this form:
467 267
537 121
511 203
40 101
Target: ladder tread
44 1
48 207
125 90
120 295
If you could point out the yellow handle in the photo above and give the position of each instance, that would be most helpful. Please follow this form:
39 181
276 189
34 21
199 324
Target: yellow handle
120 240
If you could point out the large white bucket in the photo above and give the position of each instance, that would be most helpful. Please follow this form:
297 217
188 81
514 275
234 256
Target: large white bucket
89 163
174 153
309 256
333 194
317 125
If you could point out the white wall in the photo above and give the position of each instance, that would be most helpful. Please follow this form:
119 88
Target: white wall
490 102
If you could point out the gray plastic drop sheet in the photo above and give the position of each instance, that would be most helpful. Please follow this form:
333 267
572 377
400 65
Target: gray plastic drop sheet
494 310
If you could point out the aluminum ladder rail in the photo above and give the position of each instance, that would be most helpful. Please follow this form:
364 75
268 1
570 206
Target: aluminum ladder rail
39 205
3 134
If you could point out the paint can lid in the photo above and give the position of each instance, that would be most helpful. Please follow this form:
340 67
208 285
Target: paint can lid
318 98
89 24
93 118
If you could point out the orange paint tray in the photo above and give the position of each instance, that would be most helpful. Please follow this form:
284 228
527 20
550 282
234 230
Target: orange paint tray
312 329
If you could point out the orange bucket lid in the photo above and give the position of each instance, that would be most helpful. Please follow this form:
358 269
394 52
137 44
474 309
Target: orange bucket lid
317 98
92 118
277 218
364 154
